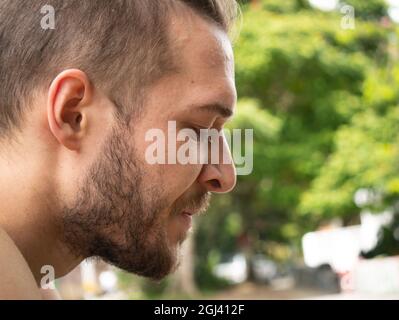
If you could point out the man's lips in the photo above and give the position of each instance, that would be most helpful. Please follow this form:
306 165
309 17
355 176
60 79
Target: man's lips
187 218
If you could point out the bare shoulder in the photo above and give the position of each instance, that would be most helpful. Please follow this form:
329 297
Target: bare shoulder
16 280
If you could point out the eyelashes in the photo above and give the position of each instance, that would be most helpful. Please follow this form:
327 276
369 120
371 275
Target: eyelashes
203 139
200 134
197 132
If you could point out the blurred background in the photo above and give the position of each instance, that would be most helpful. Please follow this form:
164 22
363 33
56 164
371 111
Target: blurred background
318 82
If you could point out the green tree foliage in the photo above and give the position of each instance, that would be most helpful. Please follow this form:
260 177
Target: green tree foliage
323 105
368 10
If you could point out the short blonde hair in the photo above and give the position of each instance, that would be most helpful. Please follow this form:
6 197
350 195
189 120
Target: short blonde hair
122 45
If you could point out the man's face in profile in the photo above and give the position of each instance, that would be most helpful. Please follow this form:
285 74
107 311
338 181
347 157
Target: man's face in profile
134 214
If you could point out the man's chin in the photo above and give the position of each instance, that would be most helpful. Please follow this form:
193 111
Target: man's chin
161 274
179 232
174 257
155 272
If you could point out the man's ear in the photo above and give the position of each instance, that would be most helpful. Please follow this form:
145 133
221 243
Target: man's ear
69 95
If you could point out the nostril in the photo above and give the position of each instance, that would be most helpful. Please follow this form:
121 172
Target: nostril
215 183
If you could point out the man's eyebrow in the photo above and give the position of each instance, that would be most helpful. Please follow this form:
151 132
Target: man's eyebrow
222 110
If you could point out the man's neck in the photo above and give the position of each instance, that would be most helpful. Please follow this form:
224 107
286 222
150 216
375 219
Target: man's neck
29 217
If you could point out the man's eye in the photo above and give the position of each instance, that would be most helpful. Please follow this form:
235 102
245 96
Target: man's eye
197 132
200 134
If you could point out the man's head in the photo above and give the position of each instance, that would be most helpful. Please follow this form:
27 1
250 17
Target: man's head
78 100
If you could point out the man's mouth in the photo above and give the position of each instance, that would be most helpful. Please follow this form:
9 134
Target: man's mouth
196 206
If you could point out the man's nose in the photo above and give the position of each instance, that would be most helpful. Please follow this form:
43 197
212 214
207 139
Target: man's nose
219 177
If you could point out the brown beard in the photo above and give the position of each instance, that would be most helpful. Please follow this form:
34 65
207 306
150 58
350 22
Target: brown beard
112 219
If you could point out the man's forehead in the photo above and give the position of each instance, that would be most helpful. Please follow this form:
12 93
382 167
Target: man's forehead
204 57
198 39
219 52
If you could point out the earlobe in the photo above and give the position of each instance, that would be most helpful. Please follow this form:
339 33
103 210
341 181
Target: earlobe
68 96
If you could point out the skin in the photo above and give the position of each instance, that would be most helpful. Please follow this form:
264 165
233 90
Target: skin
43 168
